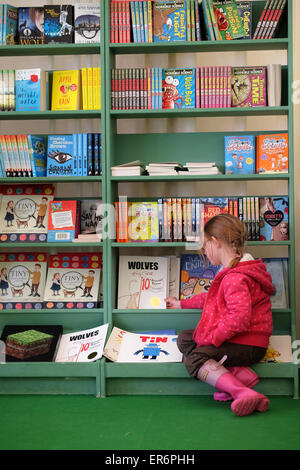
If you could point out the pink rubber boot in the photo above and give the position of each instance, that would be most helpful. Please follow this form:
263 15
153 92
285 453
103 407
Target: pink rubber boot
246 375
246 400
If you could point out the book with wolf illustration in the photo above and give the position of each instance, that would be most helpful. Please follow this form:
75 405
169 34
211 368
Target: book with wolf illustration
24 212
73 278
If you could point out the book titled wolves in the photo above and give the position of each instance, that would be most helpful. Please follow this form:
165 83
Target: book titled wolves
86 23
248 86
82 346
143 282
31 25
196 275
58 24
60 155
178 88
169 20
239 155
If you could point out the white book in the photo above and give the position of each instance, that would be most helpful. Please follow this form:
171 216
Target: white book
279 349
174 276
199 164
274 84
82 346
87 23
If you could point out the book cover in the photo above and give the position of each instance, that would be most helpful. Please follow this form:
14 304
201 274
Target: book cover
24 213
178 88
60 155
143 282
91 215
38 155
22 279
245 12
143 222
169 21
58 24
248 86
240 155
277 267
279 349
274 218
73 279
30 89
196 275
31 343
228 19
9 25
214 206
86 23
82 346
62 221
272 153
31 25
66 90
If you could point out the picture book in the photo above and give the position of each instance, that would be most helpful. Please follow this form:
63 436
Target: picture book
245 12
22 280
272 153
58 24
169 21
196 275
31 25
124 346
91 215
274 218
30 343
38 155
82 346
60 155
239 155
278 268
248 86
66 90
73 279
24 212
30 89
143 282
279 349
214 206
86 23
228 19
143 221
62 221
9 25
178 87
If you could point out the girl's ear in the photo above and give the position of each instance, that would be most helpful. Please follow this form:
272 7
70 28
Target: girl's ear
216 242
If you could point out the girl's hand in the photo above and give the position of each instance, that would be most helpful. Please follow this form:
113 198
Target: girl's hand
172 302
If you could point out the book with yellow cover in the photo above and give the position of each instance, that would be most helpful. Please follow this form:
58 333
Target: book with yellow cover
84 88
66 90
96 88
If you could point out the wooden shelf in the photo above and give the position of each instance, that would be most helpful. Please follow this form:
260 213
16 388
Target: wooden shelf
174 178
49 49
38 115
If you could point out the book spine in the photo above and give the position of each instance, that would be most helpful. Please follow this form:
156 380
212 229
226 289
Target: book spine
179 219
80 154
277 19
133 21
22 155
229 87
217 87
197 20
75 155
160 219
266 18
188 20
197 87
84 155
150 25
145 15
261 19
193 22
29 163
213 20
262 34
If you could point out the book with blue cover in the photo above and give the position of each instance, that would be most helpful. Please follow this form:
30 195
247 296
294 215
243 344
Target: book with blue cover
239 154
31 25
30 89
60 155
196 274
38 156
178 88
9 25
169 21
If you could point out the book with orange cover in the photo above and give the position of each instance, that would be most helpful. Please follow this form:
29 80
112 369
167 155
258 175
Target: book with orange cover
272 153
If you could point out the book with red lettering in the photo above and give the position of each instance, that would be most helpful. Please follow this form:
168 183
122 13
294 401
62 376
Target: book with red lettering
214 206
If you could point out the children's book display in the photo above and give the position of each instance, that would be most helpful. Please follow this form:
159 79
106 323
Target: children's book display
274 218
66 90
239 155
86 23
178 88
22 280
24 213
124 346
196 275
73 280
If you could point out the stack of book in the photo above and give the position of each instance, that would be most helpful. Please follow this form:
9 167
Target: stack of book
200 168
156 169
134 168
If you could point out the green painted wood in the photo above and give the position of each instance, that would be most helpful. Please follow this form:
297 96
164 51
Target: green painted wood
38 115
48 179
46 245
49 50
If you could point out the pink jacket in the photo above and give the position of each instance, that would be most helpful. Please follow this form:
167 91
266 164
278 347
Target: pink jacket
237 307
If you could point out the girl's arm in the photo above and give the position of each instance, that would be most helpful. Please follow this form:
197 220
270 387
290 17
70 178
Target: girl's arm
197 301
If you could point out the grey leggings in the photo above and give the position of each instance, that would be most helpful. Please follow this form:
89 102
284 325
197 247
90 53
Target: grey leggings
237 354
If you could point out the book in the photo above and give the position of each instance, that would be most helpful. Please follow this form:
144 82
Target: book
31 25
38 155
30 88
274 218
272 153
174 277
91 215
60 155
124 346
134 168
214 206
178 88
245 12
22 280
274 84
196 274
228 19
24 212
86 23
279 349
9 25
62 220
239 155
66 90
248 86
143 221
143 282
278 269
73 279
169 21
58 24
82 346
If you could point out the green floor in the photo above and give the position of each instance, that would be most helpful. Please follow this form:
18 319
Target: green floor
142 423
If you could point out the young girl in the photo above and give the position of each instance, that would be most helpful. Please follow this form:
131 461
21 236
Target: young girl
236 321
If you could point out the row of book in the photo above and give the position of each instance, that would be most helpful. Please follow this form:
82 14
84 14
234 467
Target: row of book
27 89
183 219
53 155
50 24
194 87
182 276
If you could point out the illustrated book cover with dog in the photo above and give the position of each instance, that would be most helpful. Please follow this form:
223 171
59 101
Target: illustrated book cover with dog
73 279
24 212
196 275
